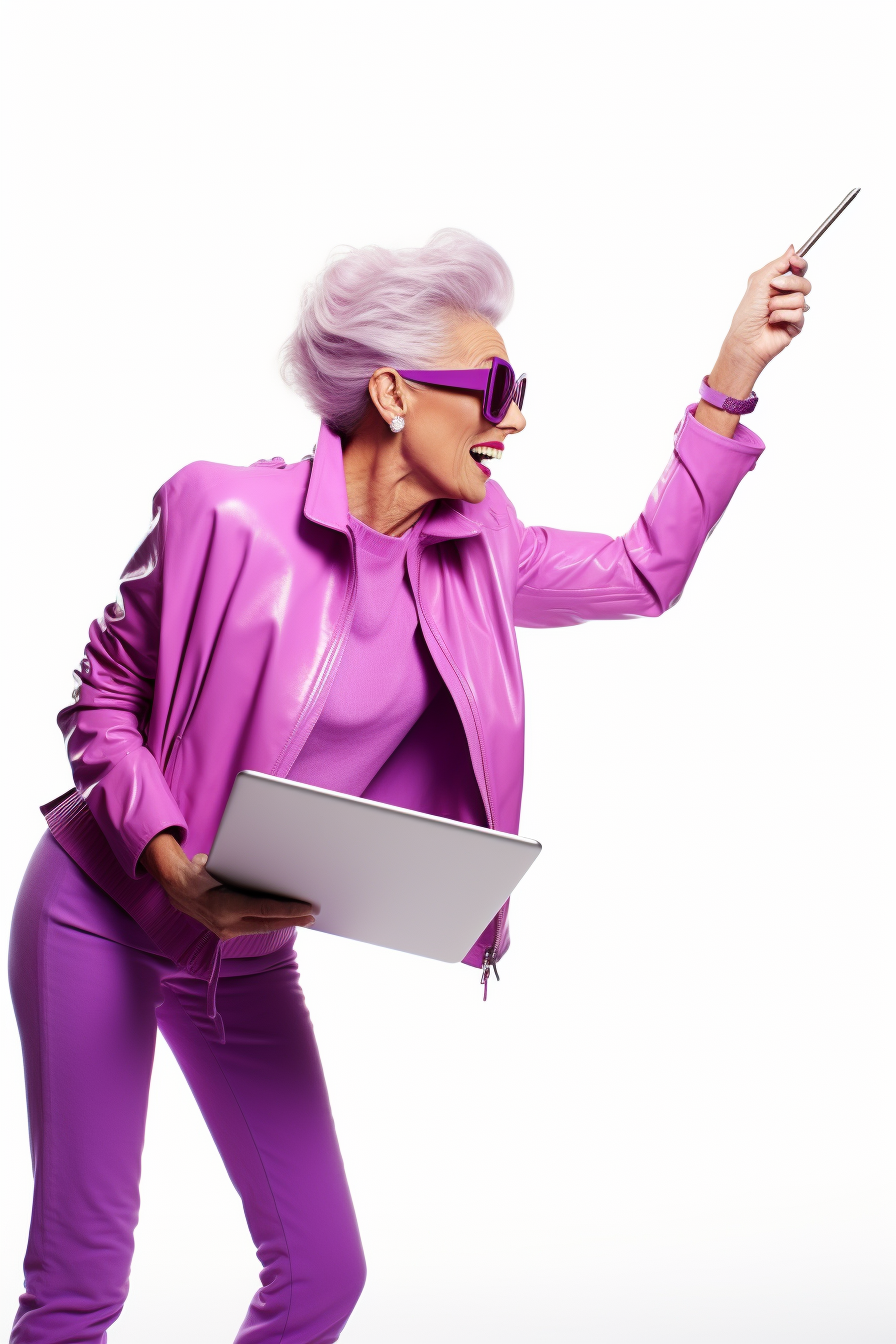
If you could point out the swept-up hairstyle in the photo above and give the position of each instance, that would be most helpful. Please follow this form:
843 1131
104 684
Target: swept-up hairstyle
371 307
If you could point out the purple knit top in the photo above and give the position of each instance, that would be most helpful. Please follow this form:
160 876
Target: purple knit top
386 678
385 681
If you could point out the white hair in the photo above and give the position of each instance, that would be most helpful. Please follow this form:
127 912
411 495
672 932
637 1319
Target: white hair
371 307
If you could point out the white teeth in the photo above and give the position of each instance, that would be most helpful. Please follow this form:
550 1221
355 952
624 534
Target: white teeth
482 451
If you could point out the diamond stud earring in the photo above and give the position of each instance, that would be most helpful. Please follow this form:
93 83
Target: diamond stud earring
397 424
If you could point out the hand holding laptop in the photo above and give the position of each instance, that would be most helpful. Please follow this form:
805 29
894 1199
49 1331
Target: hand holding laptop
370 871
228 913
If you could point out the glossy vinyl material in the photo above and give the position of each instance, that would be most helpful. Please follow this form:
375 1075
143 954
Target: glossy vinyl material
233 616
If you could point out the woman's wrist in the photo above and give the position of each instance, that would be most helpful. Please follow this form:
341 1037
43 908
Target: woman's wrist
193 891
734 376
163 858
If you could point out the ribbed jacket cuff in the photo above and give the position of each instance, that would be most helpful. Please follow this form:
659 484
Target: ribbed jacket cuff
131 804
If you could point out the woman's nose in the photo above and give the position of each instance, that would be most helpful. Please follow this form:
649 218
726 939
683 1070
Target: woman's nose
514 421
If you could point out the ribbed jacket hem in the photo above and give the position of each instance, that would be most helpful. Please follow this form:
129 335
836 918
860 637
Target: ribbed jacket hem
181 939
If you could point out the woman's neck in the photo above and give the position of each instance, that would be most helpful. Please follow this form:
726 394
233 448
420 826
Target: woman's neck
382 491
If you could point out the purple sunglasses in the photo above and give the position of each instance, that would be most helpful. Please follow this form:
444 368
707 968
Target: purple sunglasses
499 385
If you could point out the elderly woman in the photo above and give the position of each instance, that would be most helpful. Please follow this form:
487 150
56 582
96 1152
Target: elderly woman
348 621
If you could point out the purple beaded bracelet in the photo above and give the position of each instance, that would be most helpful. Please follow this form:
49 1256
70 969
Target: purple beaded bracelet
729 404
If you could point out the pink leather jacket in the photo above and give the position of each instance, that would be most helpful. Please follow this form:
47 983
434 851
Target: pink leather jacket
233 616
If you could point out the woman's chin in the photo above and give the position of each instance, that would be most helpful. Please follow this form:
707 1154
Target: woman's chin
474 494
473 487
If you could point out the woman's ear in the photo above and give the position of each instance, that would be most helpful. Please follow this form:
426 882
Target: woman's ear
389 394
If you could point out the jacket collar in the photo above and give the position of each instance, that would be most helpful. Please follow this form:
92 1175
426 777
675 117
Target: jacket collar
327 502
445 521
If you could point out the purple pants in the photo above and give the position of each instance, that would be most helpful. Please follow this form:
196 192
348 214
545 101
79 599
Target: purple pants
89 991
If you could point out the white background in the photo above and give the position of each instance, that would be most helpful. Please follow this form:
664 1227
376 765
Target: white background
673 1119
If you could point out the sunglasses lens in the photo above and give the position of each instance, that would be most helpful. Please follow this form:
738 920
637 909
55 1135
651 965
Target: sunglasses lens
519 392
500 392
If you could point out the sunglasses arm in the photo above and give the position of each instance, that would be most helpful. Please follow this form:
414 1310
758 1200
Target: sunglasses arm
472 380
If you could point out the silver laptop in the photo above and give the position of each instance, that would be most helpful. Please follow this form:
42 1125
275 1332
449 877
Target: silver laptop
372 872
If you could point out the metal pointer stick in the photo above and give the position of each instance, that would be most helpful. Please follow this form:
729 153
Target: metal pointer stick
822 228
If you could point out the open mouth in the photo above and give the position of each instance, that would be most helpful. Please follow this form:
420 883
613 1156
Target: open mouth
491 450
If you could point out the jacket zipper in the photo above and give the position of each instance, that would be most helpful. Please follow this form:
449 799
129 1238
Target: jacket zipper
490 956
330 661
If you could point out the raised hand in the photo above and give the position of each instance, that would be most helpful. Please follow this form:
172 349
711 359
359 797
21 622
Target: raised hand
770 314
768 317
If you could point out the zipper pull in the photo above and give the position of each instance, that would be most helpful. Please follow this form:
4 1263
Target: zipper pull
488 965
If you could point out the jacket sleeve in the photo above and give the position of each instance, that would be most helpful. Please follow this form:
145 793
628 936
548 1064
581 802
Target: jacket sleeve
569 577
104 728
